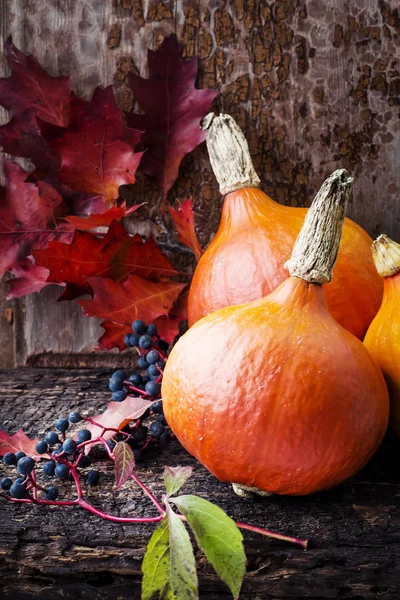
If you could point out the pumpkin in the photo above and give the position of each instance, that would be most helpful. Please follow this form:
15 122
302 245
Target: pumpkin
275 394
383 335
245 260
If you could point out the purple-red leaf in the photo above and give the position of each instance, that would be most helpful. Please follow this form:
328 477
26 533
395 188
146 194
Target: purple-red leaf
184 222
124 463
168 326
97 149
29 278
173 109
30 87
117 415
18 442
113 336
116 213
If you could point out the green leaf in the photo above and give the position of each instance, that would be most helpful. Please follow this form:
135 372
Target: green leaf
183 565
175 478
169 569
124 463
218 537
156 566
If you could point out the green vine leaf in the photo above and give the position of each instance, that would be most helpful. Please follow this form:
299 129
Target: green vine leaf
156 584
218 537
124 463
182 562
175 478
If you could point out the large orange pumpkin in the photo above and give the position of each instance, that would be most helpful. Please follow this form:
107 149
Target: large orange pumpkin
275 394
245 260
383 335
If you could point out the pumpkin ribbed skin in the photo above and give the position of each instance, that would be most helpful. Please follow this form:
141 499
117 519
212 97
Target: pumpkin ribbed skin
276 394
383 342
245 262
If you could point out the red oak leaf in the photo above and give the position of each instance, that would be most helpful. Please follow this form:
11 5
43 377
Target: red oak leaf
118 414
16 442
168 326
97 149
173 109
102 220
30 87
29 278
27 217
113 336
133 299
116 255
184 222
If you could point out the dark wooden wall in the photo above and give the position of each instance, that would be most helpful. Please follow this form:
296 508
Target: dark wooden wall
314 84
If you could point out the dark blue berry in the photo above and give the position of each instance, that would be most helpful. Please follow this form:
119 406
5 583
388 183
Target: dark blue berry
154 377
152 357
139 434
49 468
74 417
162 419
139 326
127 340
151 329
5 483
142 362
10 459
25 465
22 481
62 424
51 438
42 447
145 379
93 477
157 407
57 451
61 471
17 490
153 389
51 493
119 396
115 384
161 364
111 444
135 379
145 342
134 340
152 370
84 435
69 446
19 455
85 461
165 438
137 454
119 374
157 429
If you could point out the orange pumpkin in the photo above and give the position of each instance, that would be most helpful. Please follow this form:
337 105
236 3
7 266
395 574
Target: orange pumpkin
245 260
275 394
383 335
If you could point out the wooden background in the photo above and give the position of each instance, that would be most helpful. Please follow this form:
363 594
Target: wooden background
315 85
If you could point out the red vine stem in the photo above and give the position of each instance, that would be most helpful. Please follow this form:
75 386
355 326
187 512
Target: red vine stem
272 534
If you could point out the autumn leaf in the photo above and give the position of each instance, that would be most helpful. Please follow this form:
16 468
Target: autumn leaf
116 255
30 87
173 109
117 415
116 213
135 298
168 326
113 336
29 278
18 442
184 222
124 463
97 149
27 217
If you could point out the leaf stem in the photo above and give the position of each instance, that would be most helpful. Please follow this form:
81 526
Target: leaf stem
272 534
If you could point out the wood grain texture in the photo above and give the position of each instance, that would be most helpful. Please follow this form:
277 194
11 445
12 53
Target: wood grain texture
315 86
50 553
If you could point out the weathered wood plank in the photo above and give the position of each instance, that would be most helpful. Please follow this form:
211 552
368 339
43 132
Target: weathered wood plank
354 529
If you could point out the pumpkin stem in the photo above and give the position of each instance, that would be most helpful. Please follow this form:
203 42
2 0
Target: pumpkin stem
229 154
316 248
386 255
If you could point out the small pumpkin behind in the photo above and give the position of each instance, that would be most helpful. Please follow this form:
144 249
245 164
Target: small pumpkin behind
383 335
275 394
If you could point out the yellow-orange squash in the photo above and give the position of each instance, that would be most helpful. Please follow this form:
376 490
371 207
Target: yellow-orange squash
245 260
383 335
275 394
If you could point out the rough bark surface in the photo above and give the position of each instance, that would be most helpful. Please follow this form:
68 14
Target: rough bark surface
314 85
50 553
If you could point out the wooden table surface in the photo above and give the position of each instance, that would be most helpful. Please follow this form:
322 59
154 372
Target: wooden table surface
50 553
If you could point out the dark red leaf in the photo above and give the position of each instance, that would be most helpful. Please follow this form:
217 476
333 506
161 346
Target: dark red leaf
168 326
29 278
113 336
27 217
102 220
184 222
116 256
30 87
136 298
118 414
124 463
97 149
16 442
173 109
